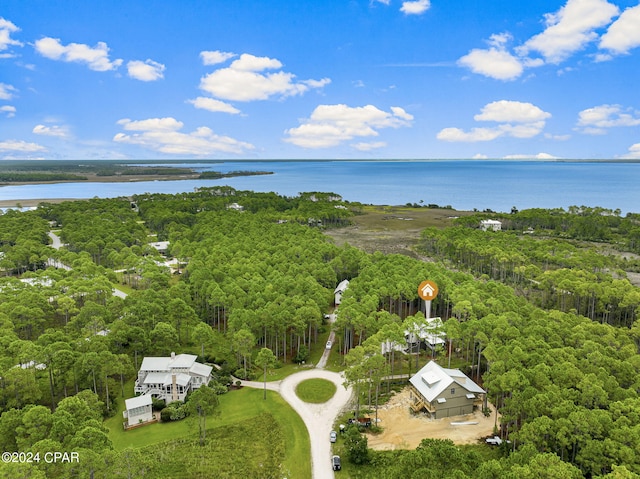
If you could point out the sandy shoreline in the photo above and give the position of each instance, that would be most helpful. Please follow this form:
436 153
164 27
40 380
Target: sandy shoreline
34 202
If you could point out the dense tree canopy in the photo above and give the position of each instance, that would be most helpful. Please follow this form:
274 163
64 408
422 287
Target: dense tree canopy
542 314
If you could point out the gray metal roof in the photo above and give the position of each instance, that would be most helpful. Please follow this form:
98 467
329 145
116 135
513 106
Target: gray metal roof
433 379
138 401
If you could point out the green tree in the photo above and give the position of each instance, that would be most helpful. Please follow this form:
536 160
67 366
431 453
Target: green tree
265 360
243 341
202 402
357 446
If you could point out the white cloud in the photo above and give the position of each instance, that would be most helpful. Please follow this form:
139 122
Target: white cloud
567 31
252 63
570 29
20 146
246 80
145 71
163 135
549 136
6 29
57 131
96 58
634 153
416 7
374 145
151 124
472 136
539 156
214 105
215 57
9 110
624 33
512 112
331 125
494 62
516 119
6 91
595 121
479 156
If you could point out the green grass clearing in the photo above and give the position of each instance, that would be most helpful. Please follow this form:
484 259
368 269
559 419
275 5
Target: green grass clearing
235 407
316 390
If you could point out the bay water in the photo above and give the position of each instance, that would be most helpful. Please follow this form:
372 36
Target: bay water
497 185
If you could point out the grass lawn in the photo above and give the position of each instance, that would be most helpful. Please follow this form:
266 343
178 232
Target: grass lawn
316 390
317 349
235 407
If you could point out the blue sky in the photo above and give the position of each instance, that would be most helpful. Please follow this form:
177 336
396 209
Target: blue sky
306 79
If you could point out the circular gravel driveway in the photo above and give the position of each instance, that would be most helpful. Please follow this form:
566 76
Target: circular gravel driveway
318 418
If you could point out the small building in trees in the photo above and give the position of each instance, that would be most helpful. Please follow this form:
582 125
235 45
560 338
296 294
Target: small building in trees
339 291
138 410
490 225
429 335
171 378
235 206
444 392
161 246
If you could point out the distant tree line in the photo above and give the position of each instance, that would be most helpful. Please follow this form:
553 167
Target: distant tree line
16 177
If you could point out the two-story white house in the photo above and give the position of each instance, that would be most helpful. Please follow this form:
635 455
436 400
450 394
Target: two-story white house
171 378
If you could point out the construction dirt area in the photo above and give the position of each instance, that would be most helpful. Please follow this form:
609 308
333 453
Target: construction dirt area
403 430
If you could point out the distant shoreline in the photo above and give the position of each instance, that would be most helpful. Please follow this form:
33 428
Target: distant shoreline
94 178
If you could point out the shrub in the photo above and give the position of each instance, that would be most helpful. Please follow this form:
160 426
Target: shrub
158 404
173 412
302 355
357 446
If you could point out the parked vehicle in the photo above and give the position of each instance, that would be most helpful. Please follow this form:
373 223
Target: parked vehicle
335 462
333 436
329 344
496 441
361 421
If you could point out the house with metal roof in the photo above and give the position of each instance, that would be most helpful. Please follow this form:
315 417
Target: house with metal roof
491 225
138 410
171 378
444 392
339 291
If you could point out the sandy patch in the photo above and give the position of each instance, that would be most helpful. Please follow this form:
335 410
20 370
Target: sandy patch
404 430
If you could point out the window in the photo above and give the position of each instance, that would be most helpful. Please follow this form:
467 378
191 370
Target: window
453 391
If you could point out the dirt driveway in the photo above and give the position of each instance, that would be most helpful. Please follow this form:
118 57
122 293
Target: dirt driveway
403 430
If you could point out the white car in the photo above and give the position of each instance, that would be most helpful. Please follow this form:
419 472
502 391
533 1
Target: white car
329 344
333 436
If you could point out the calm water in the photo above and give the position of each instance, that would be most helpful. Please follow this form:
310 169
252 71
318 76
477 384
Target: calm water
464 185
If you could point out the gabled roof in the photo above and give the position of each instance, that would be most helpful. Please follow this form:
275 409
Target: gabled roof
167 363
200 369
433 379
183 361
138 401
181 379
342 287
429 332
